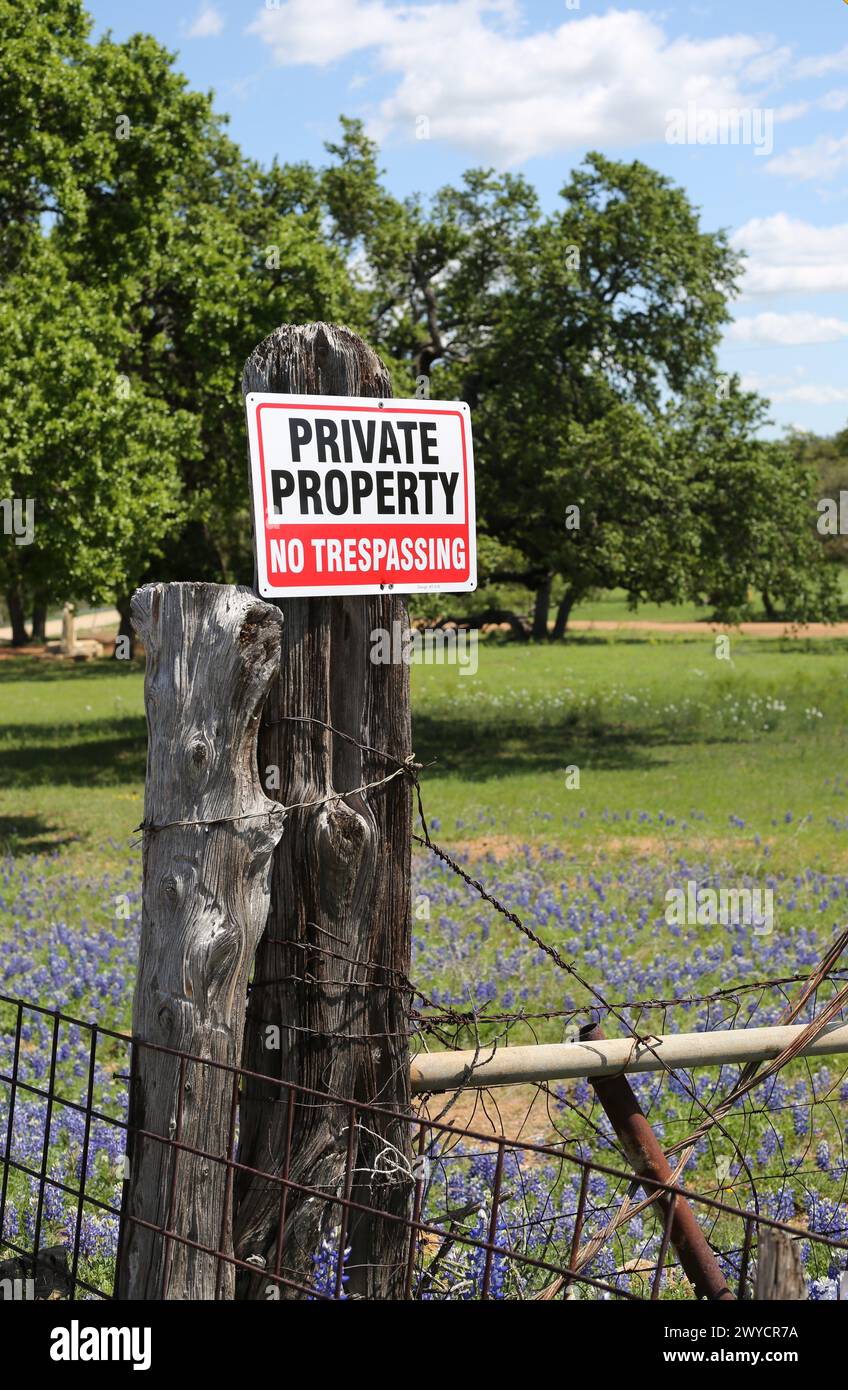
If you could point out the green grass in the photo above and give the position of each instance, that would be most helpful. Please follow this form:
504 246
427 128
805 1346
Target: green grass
72 755
652 723
611 605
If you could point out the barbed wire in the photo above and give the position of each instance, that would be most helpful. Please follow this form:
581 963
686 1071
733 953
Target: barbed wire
411 768
149 827
713 1118
439 1019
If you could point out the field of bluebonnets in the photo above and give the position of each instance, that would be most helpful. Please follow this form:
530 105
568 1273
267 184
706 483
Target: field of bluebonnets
689 769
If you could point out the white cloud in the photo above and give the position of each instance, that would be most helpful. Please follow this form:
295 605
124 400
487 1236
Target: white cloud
488 86
787 254
828 62
769 66
208 24
813 395
821 160
323 31
768 385
792 388
792 111
786 330
835 100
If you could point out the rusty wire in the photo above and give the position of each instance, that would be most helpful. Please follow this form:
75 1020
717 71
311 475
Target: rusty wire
541 1250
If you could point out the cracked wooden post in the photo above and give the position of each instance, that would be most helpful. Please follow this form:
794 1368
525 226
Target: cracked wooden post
329 983
211 653
779 1273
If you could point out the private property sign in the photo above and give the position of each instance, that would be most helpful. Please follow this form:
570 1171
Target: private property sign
358 496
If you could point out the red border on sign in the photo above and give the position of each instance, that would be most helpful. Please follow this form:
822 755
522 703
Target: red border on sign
385 527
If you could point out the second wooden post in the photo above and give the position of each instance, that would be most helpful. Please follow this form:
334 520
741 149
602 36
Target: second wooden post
329 1005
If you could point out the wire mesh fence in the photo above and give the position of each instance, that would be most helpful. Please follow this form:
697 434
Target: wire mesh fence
514 1194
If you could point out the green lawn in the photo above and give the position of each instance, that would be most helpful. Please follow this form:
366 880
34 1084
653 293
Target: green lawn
656 725
670 743
611 605
72 755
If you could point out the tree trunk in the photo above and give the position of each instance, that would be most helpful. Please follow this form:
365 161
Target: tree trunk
519 624
124 606
331 968
39 621
563 614
212 651
540 610
768 607
15 605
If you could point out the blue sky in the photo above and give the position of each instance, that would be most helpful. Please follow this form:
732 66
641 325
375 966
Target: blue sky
531 85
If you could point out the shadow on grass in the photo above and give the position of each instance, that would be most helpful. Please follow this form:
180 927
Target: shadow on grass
466 749
98 753
113 752
30 834
45 669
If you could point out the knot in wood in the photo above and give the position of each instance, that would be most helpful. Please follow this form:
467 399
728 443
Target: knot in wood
199 753
171 888
167 1019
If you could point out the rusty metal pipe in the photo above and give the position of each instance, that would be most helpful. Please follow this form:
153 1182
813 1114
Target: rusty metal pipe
644 1153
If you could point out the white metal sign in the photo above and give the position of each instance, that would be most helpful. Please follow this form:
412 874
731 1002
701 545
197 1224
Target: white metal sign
357 496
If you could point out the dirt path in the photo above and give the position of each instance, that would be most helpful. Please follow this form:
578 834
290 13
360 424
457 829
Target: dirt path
519 1112
89 622
86 623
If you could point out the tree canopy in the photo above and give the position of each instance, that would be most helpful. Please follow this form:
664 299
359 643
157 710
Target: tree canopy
142 256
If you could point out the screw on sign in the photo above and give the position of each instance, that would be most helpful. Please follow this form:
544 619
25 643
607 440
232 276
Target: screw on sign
357 496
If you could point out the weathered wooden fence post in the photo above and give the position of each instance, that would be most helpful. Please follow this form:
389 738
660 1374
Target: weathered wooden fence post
208 839
331 967
779 1274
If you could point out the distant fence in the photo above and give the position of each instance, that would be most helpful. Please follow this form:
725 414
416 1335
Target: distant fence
482 1216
